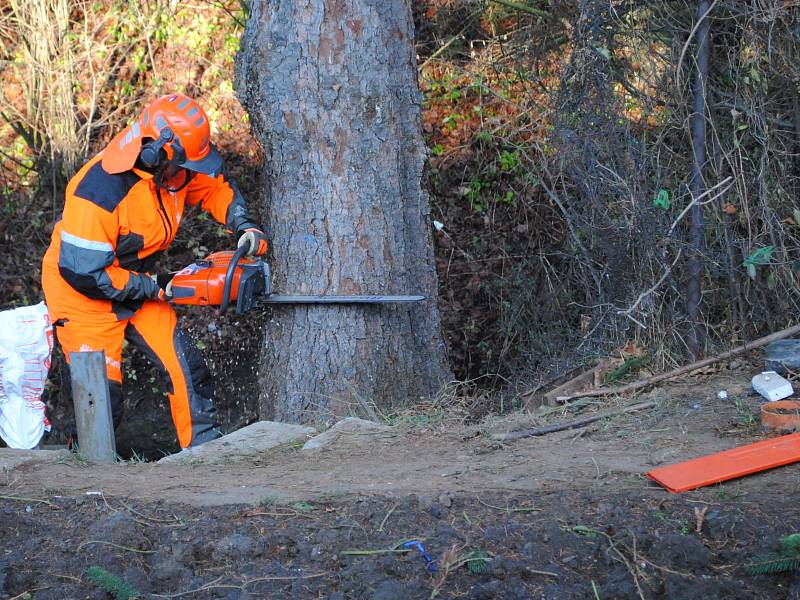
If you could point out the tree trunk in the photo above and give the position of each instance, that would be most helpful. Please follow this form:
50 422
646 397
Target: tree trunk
331 89
696 336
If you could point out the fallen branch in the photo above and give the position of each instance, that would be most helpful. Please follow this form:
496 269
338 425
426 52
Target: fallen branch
373 552
441 49
623 389
261 513
582 422
214 585
27 593
20 499
510 509
113 545
538 12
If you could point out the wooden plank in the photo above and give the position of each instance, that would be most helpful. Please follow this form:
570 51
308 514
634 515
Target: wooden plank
535 397
583 381
91 398
578 379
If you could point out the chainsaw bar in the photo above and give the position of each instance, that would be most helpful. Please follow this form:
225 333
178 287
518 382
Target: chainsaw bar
292 299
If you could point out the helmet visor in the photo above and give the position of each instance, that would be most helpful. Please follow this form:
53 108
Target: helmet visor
210 164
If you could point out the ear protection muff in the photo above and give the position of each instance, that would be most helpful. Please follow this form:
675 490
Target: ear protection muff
152 153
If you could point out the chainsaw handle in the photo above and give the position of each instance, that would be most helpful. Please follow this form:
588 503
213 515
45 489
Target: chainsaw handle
226 289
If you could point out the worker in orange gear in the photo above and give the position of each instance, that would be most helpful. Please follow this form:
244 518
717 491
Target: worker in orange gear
122 210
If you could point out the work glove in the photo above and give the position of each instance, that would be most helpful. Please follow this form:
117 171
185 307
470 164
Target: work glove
255 239
164 283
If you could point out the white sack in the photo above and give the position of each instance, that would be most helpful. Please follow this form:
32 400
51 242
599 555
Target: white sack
26 341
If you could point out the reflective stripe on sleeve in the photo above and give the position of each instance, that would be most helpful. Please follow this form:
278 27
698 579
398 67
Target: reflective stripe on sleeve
74 240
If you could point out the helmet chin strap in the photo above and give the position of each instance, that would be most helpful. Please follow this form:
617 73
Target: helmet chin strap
158 178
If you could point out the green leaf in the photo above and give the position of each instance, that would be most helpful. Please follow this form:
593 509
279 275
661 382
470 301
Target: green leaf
508 160
631 364
751 271
584 530
662 200
762 256
304 507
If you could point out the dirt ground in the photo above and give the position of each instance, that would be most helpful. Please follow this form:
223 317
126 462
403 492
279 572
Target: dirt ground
567 515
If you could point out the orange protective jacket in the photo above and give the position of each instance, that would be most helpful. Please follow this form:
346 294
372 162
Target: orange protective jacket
113 229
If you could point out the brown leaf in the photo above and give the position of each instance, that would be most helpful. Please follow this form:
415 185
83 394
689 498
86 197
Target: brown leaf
700 517
631 349
474 284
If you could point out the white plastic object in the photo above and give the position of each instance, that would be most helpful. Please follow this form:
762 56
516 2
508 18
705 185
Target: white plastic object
26 342
772 386
722 394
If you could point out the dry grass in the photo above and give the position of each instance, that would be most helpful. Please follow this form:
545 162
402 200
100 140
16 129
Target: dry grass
61 75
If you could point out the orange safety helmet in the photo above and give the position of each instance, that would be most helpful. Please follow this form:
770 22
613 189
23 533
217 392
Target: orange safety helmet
186 144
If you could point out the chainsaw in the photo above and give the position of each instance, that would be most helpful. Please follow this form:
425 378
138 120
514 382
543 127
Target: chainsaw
224 277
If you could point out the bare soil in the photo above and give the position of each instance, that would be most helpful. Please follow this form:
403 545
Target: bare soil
567 515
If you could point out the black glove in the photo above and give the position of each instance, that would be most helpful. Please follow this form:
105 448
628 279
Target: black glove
164 282
255 239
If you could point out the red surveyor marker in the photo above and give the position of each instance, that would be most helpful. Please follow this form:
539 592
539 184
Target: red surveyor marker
728 464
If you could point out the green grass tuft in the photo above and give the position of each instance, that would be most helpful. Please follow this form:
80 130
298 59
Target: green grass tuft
478 562
120 589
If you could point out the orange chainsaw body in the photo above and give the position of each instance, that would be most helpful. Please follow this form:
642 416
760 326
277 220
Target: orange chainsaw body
202 283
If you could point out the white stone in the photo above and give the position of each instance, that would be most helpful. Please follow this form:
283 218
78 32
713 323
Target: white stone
352 427
772 386
244 443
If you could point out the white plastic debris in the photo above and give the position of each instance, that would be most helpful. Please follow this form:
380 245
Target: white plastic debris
772 386
722 395
438 225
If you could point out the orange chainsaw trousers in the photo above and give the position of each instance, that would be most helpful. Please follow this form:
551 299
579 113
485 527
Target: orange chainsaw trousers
153 329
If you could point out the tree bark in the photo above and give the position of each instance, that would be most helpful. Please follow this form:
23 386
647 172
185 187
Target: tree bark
331 90
696 336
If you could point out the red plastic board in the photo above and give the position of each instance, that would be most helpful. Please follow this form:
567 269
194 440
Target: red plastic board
728 464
